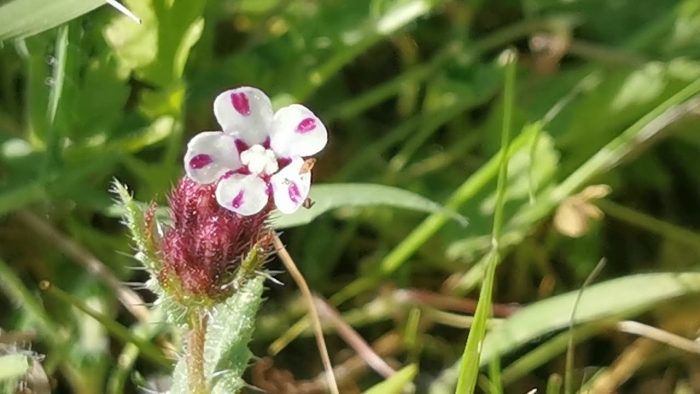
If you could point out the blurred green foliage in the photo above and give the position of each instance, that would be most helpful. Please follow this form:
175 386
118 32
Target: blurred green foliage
411 92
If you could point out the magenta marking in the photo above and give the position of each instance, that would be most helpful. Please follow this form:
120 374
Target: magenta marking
306 125
294 193
240 103
238 200
200 161
243 171
227 175
283 162
241 145
268 188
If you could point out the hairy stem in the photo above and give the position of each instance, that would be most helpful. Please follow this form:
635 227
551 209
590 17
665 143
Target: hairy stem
195 353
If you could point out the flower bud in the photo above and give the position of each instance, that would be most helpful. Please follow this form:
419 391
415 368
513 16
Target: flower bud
206 243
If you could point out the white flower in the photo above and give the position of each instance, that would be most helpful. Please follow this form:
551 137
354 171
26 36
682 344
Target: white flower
259 153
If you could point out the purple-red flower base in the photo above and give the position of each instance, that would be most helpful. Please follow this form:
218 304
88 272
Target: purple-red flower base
203 248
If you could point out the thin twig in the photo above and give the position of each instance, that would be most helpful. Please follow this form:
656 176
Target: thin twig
658 335
306 292
121 8
92 264
354 339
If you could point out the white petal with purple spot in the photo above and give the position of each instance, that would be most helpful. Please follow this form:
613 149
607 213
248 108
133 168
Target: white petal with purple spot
289 187
296 131
244 194
245 112
210 155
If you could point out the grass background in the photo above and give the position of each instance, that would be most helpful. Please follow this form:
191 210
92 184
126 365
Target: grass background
412 92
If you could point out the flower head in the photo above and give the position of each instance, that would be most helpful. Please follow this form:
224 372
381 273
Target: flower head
259 153
205 244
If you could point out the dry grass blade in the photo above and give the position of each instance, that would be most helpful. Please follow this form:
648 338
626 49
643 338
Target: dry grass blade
306 292
75 251
659 335
354 339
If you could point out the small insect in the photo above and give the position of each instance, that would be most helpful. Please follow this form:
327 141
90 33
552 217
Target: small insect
307 166
308 203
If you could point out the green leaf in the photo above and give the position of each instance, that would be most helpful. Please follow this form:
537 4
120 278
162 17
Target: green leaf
625 300
332 196
396 383
156 50
612 300
226 349
24 18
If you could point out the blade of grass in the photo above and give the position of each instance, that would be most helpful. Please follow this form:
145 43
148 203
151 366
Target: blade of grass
24 18
397 383
469 369
653 225
55 336
547 351
129 298
395 19
631 141
659 335
147 349
130 353
569 370
554 384
496 380
53 138
15 290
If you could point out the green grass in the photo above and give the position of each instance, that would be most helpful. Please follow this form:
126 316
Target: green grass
443 175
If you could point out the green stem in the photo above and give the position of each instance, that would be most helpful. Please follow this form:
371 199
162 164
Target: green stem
651 224
469 369
195 354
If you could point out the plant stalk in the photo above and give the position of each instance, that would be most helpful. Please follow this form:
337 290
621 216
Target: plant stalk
195 353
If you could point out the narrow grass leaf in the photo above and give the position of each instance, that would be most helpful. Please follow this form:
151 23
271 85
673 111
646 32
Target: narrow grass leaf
397 383
624 300
24 18
332 196
119 331
469 369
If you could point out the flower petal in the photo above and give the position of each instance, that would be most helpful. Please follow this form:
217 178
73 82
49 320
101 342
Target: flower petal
289 187
244 194
210 155
244 111
296 131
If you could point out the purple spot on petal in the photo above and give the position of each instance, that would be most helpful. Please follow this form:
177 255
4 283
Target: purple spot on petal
241 146
243 171
283 162
268 188
306 125
240 103
266 143
227 174
200 161
294 193
238 200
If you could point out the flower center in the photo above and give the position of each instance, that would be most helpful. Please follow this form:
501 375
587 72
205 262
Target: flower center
260 161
